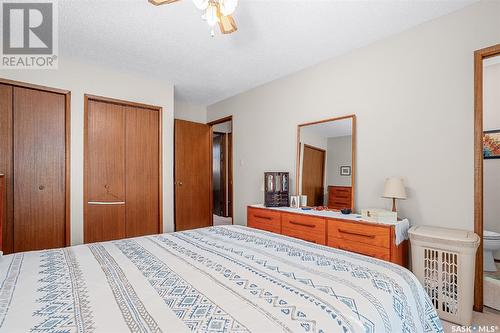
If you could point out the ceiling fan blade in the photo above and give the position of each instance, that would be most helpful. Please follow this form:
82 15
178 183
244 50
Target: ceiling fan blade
161 2
227 24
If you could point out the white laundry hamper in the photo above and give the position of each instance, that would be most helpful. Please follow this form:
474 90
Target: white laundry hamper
443 261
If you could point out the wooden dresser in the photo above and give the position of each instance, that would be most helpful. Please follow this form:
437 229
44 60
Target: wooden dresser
339 197
368 238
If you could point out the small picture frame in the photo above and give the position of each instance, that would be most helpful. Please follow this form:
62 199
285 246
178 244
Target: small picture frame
294 201
491 144
345 170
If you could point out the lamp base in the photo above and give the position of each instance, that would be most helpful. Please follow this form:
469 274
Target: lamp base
394 205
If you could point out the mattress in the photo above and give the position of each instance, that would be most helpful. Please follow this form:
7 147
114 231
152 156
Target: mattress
217 279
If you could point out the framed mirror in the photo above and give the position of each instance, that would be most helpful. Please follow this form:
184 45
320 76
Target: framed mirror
326 162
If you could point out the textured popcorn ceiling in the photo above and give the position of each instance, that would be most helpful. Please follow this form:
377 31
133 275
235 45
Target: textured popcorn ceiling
275 38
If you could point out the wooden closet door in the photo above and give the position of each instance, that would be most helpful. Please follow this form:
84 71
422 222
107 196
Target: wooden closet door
6 166
142 171
105 172
39 167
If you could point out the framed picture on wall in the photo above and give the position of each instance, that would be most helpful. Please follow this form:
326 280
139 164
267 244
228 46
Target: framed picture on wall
491 144
345 170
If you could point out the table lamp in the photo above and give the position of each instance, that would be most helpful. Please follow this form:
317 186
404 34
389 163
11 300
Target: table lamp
394 189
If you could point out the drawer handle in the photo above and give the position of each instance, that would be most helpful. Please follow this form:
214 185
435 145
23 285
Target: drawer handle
263 217
303 224
356 233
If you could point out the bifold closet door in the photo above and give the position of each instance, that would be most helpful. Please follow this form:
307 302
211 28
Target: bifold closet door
6 165
122 171
105 172
39 167
142 171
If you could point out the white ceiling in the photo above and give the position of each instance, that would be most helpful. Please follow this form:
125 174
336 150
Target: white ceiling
329 129
275 38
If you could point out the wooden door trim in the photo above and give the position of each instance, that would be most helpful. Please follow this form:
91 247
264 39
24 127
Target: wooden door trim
89 97
220 121
211 124
315 148
122 102
479 56
353 147
67 144
34 86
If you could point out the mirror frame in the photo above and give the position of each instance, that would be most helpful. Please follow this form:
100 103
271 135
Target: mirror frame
353 166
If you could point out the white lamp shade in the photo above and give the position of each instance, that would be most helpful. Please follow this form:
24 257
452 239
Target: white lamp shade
394 188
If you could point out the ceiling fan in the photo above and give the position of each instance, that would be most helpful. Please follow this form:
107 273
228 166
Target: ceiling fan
215 12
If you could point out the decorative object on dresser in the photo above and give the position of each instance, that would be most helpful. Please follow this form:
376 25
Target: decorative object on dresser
386 241
379 215
276 189
394 189
491 144
339 197
294 201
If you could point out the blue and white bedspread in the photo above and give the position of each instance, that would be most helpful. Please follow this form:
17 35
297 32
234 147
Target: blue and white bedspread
219 279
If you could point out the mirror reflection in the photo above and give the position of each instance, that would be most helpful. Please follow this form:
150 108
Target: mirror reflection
326 169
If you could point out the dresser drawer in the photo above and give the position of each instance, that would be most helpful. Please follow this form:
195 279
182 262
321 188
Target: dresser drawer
264 219
360 248
339 197
312 229
360 232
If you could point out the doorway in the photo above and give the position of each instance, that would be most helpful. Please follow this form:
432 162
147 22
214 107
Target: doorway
481 57
222 171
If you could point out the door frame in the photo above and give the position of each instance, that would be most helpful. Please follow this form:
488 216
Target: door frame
479 56
230 176
67 148
90 97
324 166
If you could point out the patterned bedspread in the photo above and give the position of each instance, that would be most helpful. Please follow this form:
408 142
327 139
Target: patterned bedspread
218 279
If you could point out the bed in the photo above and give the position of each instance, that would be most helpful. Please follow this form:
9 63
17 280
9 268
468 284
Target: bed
217 279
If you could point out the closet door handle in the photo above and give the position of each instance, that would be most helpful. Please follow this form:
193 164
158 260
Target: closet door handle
41 187
106 202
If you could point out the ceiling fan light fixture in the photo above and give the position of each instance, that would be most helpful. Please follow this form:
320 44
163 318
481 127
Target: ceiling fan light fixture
211 14
161 2
227 7
201 4
227 24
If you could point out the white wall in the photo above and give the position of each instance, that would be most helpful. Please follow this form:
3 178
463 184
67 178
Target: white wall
80 79
491 121
413 97
190 111
339 153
